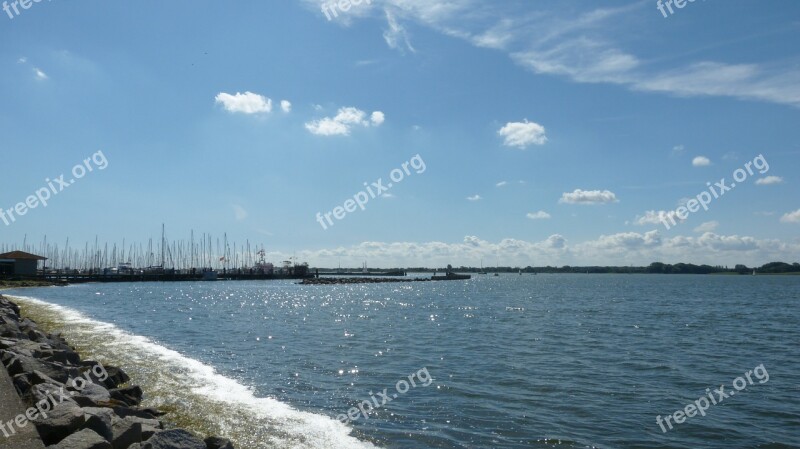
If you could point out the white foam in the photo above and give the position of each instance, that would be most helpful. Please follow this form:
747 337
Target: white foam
289 427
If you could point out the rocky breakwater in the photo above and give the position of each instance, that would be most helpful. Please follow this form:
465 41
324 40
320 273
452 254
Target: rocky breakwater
79 404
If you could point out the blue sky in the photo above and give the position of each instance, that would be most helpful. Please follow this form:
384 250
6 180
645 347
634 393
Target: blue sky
551 132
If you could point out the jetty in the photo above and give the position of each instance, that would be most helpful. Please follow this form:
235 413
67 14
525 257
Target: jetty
380 280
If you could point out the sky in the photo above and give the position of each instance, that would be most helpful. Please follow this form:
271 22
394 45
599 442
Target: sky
514 133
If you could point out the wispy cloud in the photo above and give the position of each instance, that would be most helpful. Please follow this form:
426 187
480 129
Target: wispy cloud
396 36
708 226
474 198
585 48
40 75
540 215
701 161
239 212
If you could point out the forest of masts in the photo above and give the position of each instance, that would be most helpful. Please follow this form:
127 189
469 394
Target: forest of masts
179 255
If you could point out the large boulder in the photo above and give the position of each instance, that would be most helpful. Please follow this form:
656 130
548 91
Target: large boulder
85 439
174 439
146 413
24 364
126 431
63 420
218 443
128 395
48 393
91 395
100 420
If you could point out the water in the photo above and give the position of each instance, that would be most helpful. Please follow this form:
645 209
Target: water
568 361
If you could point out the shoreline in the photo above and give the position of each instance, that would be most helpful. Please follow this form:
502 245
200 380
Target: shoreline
75 403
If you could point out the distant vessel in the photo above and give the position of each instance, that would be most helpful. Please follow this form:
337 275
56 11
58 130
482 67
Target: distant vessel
482 270
210 275
497 274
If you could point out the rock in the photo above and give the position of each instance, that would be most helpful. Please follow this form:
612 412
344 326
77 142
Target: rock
116 377
25 364
85 439
218 443
149 426
146 413
174 439
100 420
38 377
129 395
53 394
65 357
126 431
62 420
22 383
90 395
6 343
113 376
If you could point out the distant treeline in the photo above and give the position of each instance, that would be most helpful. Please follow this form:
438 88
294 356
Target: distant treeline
655 267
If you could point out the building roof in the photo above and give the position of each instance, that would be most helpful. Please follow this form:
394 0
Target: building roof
21 255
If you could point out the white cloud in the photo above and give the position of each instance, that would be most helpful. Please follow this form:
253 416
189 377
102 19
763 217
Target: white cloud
708 226
617 249
768 180
701 161
588 197
377 118
678 149
239 212
522 134
286 106
652 217
474 198
39 74
791 217
22 60
327 127
540 215
501 184
246 103
343 122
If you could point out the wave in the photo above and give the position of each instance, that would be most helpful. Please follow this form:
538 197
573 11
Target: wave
196 396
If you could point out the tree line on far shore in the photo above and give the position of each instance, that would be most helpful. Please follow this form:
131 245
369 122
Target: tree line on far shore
654 268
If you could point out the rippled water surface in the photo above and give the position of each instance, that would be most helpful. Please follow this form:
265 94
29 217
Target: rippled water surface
512 361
